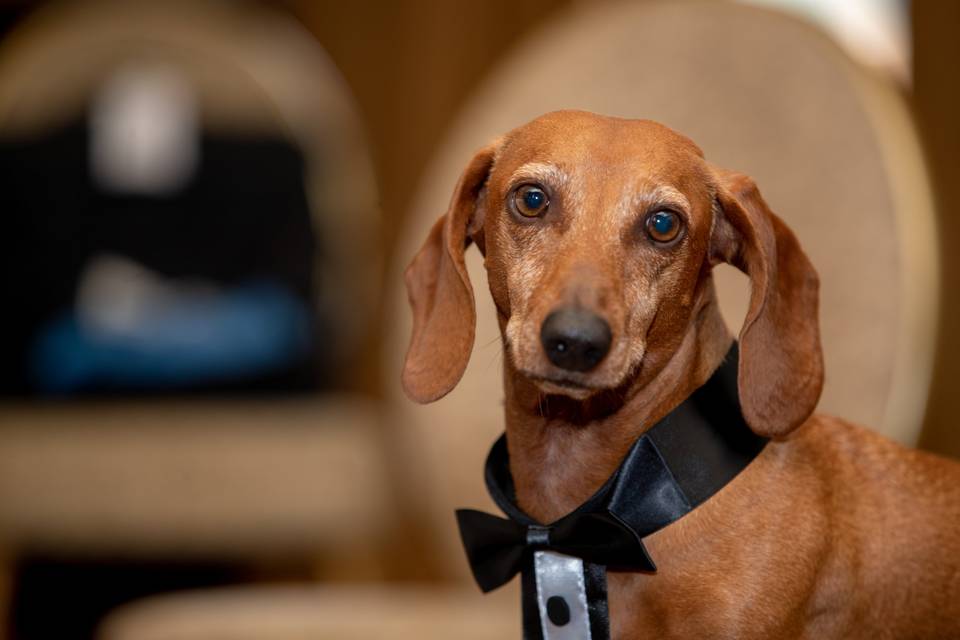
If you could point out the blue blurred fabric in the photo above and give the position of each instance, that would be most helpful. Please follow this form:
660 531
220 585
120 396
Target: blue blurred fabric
241 332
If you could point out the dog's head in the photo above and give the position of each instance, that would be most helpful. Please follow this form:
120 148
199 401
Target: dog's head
599 235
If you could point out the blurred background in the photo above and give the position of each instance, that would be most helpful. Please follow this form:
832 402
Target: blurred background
206 210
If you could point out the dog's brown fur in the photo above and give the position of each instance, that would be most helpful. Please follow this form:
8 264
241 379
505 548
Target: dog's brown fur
833 532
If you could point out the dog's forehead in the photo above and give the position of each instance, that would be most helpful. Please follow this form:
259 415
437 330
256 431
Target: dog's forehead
575 140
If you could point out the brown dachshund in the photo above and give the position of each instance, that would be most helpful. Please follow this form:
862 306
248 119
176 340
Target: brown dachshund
607 229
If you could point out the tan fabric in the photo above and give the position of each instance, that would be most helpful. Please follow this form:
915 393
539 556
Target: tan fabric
183 478
325 613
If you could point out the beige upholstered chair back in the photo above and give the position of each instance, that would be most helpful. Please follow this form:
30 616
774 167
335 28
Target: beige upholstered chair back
832 150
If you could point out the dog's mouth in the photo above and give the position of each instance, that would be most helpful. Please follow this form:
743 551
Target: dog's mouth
558 385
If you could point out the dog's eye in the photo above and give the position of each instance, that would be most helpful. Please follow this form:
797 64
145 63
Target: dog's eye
663 226
530 201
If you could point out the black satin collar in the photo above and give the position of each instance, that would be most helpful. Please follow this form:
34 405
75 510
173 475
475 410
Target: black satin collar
676 465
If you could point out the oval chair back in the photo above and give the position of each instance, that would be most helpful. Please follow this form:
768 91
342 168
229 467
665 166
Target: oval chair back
832 149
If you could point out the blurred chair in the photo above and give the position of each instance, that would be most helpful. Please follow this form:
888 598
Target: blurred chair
251 76
835 154
299 477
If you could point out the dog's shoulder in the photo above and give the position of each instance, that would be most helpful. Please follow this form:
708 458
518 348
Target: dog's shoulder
855 445
895 509
878 483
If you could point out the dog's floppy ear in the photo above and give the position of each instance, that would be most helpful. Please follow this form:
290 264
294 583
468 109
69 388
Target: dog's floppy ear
781 363
444 311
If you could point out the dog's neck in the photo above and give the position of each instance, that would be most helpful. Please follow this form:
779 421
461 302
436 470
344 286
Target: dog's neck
562 451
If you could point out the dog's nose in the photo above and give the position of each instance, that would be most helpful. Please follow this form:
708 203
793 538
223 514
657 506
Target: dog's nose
575 339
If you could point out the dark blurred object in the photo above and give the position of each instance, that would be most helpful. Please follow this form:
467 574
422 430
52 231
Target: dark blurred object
242 216
185 139
12 13
936 99
55 600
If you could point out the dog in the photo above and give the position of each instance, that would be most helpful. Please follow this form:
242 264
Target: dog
604 231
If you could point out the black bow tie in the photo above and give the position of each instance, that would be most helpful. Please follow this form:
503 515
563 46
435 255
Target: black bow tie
497 547
675 466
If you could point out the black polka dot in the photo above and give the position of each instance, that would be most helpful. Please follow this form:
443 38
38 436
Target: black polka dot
558 611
